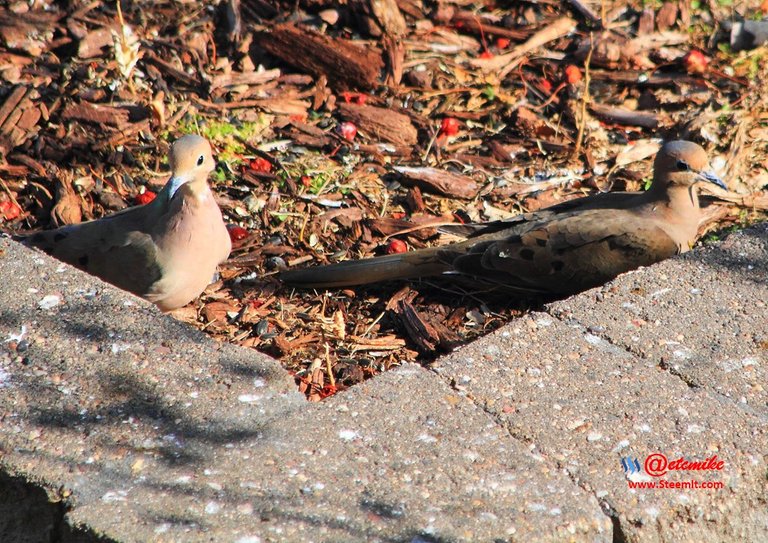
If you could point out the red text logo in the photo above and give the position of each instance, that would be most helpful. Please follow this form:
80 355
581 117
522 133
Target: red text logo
657 465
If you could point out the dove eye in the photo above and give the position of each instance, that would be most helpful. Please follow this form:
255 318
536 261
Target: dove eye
683 166
200 160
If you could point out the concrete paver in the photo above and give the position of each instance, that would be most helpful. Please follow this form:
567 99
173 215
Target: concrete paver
587 385
703 316
139 428
154 432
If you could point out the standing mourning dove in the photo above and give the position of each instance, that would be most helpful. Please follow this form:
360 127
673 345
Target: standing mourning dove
167 250
560 250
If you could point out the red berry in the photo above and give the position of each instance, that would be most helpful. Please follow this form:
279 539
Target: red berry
144 197
396 246
502 43
236 233
348 131
260 164
449 126
546 86
572 74
486 54
354 97
306 180
9 210
695 62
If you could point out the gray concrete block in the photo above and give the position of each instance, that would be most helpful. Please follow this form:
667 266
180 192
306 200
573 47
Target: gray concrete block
703 317
142 429
403 457
583 404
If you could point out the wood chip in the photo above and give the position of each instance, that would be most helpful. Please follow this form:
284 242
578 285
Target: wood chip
345 64
96 114
381 124
439 181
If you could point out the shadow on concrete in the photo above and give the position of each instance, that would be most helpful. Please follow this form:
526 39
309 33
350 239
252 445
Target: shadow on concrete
29 515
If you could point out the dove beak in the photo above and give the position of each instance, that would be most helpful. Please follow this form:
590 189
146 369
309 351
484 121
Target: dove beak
175 182
711 177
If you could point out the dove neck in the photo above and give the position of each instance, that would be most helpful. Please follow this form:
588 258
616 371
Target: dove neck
678 197
196 190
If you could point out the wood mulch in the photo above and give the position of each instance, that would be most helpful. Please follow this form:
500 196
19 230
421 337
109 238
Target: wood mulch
354 128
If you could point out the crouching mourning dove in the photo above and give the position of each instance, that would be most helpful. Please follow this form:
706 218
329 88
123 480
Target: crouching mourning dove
559 250
165 251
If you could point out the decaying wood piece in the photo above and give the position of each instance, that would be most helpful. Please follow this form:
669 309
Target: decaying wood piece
278 106
18 118
67 208
344 63
421 332
439 181
467 20
618 115
96 114
381 124
93 43
381 17
232 80
503 64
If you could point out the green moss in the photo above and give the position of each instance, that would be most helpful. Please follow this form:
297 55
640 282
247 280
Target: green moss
228 135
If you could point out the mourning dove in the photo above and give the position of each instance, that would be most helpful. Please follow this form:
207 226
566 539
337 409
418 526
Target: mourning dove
165 251
560 250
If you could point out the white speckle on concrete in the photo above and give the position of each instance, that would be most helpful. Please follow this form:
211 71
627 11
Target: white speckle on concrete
348 435
594 436
249 398
683 354
5 379
623 444
17 337
49 302
652 512
115 496
426 438
543 321
750 361
162 528
592 339
212 508
659 292
87 294
119 347
258 382
695 429
248 539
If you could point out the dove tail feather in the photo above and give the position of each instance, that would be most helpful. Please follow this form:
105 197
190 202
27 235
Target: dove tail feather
411 265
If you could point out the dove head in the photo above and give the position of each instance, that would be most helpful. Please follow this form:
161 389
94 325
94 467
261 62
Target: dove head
683 164
191 162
